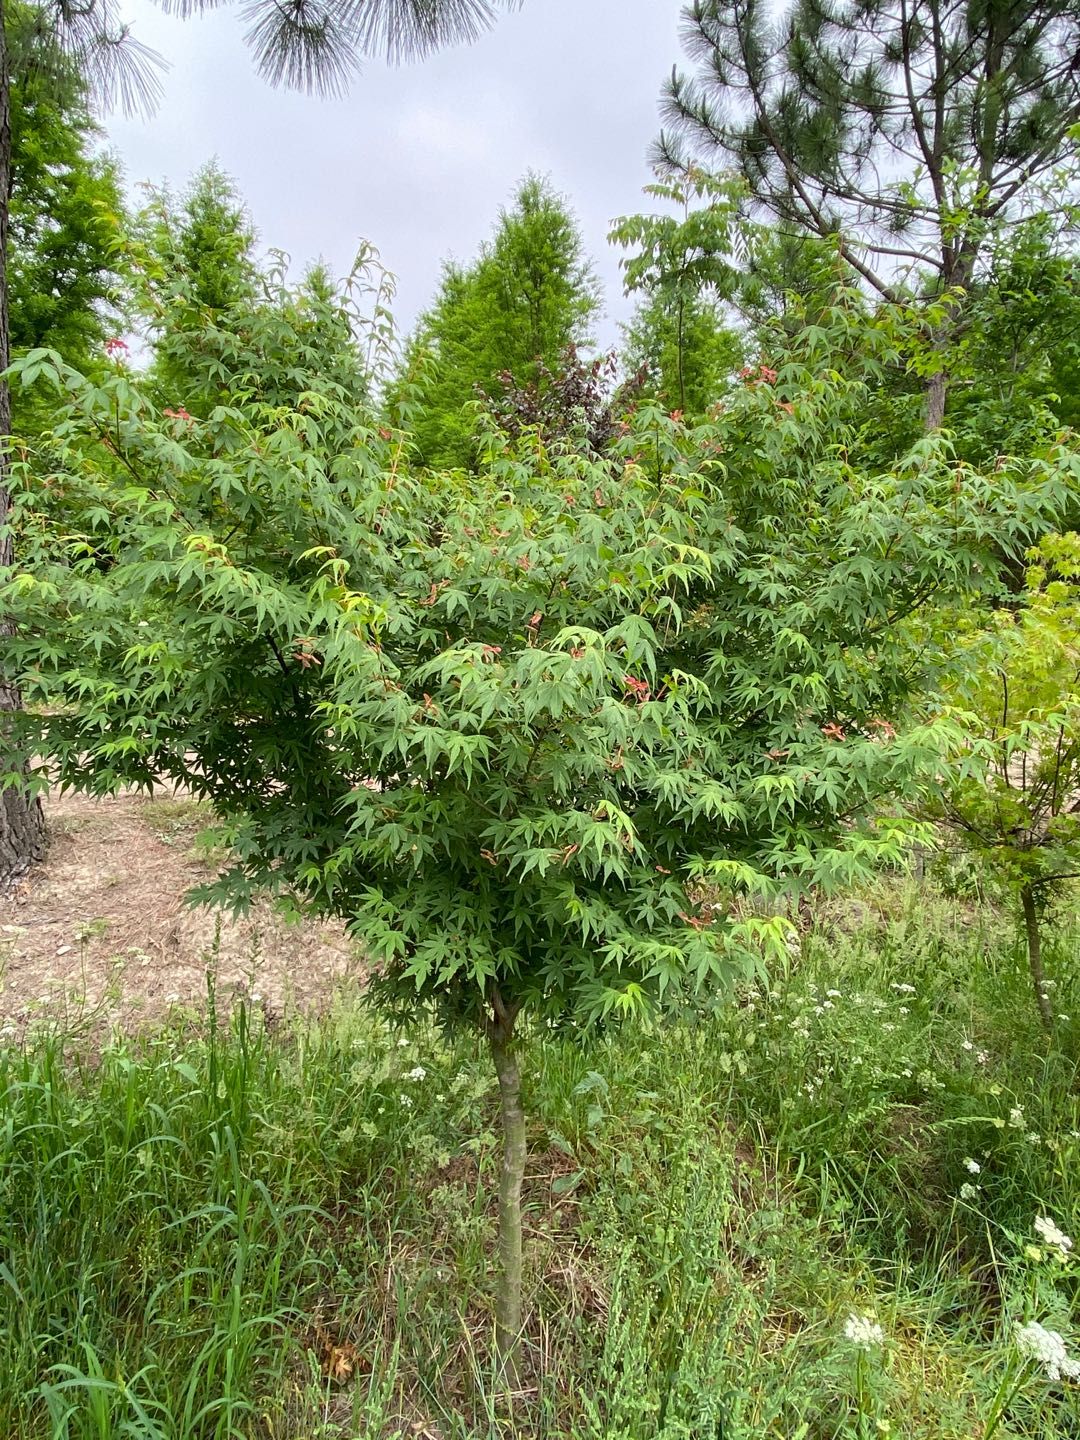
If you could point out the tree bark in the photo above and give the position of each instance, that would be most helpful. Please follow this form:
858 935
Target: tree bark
681 341
1034 949
22 824
508 1303
935 401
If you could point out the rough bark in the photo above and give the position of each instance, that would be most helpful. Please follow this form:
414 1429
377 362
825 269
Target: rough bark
935 400
22 825
958 270
1034 949
508 1302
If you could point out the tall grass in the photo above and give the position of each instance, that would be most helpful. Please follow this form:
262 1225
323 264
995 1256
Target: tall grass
236 1227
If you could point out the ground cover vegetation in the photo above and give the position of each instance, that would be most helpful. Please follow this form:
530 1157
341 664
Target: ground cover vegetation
686 739
300 1221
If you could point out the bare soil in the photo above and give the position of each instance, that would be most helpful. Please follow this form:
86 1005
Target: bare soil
100 932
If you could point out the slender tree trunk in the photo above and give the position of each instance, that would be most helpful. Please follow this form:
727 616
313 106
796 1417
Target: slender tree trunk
935 400
508 1283
22 825
959 270
1034 949
681 342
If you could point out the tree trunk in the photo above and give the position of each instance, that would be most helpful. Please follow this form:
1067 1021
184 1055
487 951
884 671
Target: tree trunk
508 1283
935 400
1034 949
958 270
680 343
22 825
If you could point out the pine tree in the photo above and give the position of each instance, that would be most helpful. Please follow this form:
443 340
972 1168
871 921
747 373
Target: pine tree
910 129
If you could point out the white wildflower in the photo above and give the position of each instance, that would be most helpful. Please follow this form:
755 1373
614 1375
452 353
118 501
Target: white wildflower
1047 1348
833 994
972 1166
967 1045
416 1073
903 989
1016 1117
981 1057
1049 1233
968 1191
863 1331
1033 1138
406 1101
904 1010
403 1043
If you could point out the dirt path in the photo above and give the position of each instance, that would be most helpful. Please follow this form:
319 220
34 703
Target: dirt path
100 932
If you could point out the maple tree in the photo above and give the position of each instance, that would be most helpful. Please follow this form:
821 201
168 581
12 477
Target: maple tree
553 739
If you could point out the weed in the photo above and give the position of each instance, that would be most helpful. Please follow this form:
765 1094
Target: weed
812 1213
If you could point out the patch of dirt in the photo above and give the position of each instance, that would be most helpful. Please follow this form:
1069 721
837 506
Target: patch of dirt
100 932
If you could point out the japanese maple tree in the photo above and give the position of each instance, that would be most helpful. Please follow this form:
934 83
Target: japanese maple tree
548 738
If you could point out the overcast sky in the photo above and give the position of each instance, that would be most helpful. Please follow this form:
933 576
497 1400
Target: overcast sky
418 158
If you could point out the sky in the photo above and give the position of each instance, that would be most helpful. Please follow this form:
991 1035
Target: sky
417 159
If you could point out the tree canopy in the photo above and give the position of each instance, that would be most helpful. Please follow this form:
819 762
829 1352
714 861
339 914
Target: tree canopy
504 724
909 127
528 296
65 216
686 272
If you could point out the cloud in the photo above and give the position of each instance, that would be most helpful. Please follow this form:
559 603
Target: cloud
419 158
445 135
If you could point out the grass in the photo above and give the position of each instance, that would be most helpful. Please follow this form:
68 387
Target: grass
243 1228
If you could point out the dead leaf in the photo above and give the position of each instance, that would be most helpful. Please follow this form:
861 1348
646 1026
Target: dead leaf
339 1362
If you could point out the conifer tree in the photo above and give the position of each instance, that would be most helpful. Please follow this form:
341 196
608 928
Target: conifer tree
529 295
685 352
63 274
911 129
